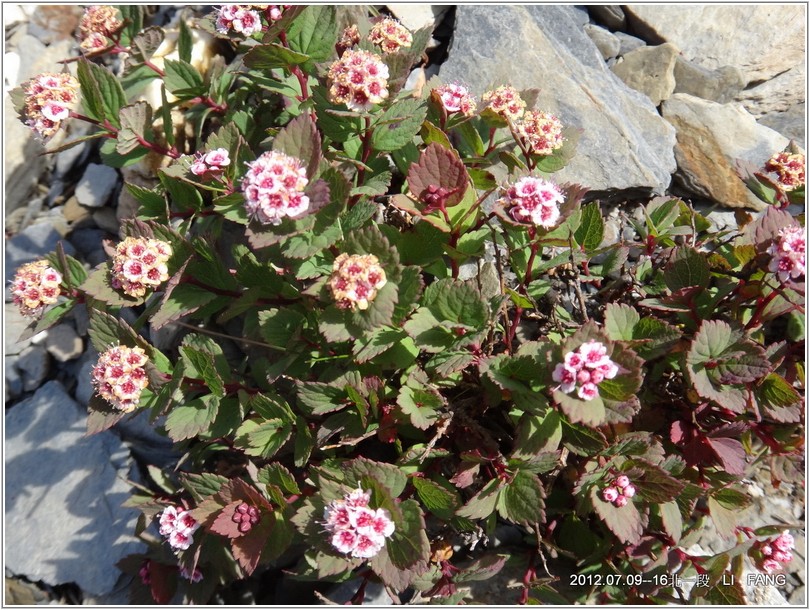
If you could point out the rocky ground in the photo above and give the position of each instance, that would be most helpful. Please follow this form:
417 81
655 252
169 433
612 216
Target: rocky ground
657 92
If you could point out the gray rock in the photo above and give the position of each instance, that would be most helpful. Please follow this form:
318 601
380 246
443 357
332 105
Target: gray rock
417 16
628 43
789 123
711 137
84 385
778 94
64 519
63 343
606 42
14 324
53 23
146 444
106 219
547 48
96 186
375 594
30 244
70 158
710 35
609 15
649 70
720 85
14 383
34 365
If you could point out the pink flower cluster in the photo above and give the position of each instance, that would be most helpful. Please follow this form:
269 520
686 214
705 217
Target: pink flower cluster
355 280
97 25
776 553
239 18
348 38
119 376
788 254
390 35
540 131
505 101
358 79
274 188
48 101
584 370
210 164
620 492
177 525
534 200
456 98
246 516
789 169
356 529
35 285
140 263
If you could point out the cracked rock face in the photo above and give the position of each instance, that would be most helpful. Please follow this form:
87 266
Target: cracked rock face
63 515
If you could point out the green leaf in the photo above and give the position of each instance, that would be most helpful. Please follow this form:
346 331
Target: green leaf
110 156
272 56
184 41
780 400
720 360
591 228
300 139
687 268
389 475
482 504
380 341
314 32
374 186
407 551
202 485
263 438
581 440
136 122
98 285
189 420
420 406
521 500
183 300
102 94
182 78
278 475
319 398
398 125
457 301
146 43
654 485
672 520
537 434
620 320
200 365
280 327
438 499
336 128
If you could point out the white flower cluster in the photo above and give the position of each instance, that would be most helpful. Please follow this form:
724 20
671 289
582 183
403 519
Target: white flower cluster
358 79
97 25
140 263
390 35
356 529
541 132
776 553
49 99
239 18
456 98
119 376
584 369
505 101
355 280
274 188
788 254
35 285
178 526
534 200
210 164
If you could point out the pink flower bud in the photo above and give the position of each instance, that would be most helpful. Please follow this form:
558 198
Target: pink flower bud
622 481
621 501
629 491
609 494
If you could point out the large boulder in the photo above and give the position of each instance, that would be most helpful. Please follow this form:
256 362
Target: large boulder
650 70
64 520
625 146
711 137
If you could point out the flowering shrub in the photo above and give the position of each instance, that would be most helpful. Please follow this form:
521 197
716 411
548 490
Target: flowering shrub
397 334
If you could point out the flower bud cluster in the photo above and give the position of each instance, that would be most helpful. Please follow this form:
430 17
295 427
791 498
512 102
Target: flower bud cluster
210 164
355 280
534 200
48 101
619 492
456 98
584 370
140 263
119 376
349 38
541 132
789 169
390 35
35 285
246 516
240 18
97 25
358 79
788 254
356 529
178 526
274 188
776 553
505 101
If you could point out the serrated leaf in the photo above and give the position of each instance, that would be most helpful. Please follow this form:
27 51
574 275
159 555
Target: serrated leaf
99 286
280 327
780 400
190 419
276 474
482 504
581 440
625 521
438 167
436 498
146 43
263 438
319 398
271 56
398 125
181 301
591 228
101 415
537 434
102 94
589 412
375 186
182 78
419 406
377 343
672 520
730 452
620 320
521 500
202 485
458 302
725 520
686 269
655 485
390 476
300 139
314 32
446 363
200 364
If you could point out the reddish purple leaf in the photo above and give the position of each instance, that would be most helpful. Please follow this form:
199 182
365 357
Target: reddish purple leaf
224 525
731 454
438 168
247 550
